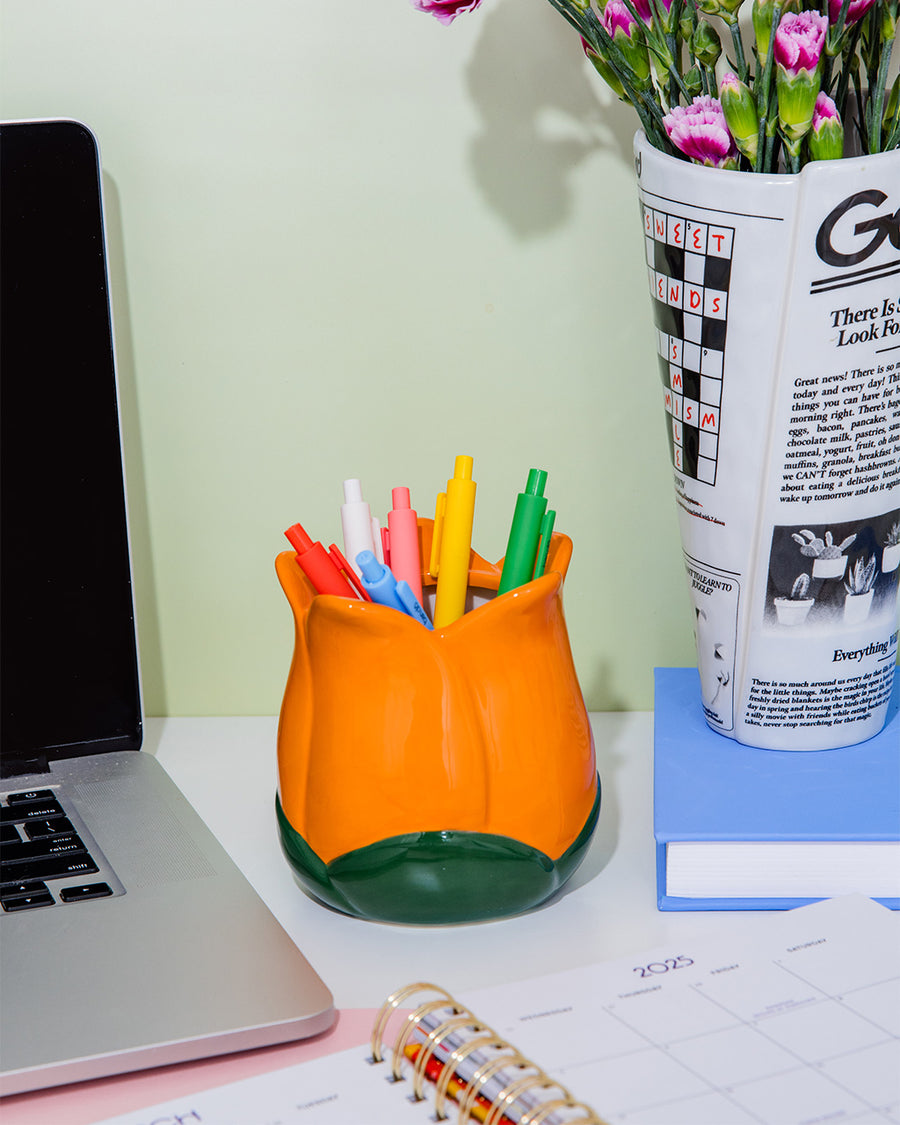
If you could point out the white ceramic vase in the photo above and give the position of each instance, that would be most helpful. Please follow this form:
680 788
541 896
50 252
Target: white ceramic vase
776 303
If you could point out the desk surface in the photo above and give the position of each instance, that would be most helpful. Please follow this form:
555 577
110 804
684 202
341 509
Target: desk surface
226 768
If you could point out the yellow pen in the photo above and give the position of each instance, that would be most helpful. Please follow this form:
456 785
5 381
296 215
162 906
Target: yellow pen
453 519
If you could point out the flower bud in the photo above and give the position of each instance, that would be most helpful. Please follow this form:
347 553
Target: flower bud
826 136
855 12
741 117
693 81
888 23
667 16
706 44
727 9
762 12
604 70
628 40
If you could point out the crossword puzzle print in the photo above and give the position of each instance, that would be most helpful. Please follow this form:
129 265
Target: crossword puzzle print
689 266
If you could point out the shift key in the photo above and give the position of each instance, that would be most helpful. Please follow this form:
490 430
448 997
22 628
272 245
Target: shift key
52 867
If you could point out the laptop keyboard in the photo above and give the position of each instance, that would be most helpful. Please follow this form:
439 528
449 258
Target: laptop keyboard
39 845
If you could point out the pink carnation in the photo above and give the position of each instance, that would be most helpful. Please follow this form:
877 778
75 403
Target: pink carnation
825 110
645 11
446 11
700 132
616 16
799 41
855 12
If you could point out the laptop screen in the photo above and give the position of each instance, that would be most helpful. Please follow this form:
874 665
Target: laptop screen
67 646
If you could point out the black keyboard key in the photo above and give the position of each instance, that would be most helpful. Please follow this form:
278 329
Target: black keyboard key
27 902
30 810
37 849
56 867
31 795
16 890
85 891
40 829
8 834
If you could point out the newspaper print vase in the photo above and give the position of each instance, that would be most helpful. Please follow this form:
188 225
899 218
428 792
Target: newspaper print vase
776 302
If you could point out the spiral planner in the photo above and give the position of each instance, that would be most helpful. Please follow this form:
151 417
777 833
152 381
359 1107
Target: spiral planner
794 1023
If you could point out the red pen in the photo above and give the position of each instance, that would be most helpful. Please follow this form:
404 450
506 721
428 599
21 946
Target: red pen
348 572
318 566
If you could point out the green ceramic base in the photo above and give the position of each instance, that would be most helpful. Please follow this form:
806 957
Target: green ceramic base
429 878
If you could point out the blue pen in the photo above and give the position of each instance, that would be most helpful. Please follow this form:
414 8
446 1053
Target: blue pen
411 603
384 588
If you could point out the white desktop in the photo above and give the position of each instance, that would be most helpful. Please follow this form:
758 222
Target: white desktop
226 769
606 912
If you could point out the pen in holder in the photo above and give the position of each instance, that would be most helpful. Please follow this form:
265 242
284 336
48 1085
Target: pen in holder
433 776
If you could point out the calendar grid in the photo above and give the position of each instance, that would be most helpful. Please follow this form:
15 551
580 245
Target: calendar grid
740 1050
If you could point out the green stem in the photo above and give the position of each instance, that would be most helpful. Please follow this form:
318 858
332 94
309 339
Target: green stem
792 151
650 114
765 99
739 57
840 93
708 78
772 140
893 139
875 108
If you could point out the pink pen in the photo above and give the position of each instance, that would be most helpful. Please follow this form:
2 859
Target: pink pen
403 528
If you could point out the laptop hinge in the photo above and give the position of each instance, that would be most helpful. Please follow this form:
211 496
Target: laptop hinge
18 767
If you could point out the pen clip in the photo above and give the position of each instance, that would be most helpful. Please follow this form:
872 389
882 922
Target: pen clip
348 572
540 562
434 563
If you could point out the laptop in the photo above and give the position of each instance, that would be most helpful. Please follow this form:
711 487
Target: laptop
128 938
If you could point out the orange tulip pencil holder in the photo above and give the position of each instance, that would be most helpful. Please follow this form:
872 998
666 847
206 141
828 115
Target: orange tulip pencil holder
435 776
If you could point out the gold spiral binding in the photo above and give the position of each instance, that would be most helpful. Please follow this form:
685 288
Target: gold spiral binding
485 1042
510 1094
411 1025
390 1006
485 1039
482 1075
434 1040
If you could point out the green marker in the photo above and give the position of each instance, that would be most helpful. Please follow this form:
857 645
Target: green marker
525 533
547 523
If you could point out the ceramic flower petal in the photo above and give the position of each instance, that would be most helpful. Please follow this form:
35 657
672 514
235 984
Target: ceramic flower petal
475 734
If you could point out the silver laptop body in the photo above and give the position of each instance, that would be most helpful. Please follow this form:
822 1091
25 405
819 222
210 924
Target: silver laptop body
151 947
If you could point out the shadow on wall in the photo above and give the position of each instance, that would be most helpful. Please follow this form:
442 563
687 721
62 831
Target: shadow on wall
543 112
152 677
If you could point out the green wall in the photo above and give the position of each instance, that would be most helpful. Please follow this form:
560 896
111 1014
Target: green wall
348 241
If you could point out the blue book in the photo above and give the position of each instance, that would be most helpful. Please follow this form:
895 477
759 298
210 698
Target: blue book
744 829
